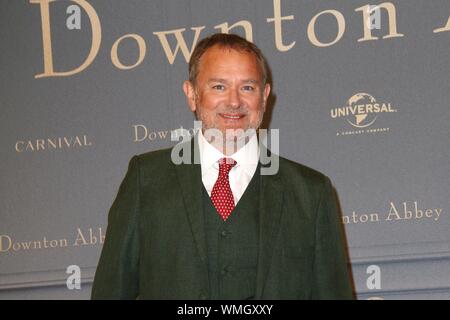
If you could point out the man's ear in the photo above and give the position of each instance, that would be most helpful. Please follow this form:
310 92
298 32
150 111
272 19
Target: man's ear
189 91
266 94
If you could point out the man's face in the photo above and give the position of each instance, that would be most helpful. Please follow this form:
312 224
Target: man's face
229 92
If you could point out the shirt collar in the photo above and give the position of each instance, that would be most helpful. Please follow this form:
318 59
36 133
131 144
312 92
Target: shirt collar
247 156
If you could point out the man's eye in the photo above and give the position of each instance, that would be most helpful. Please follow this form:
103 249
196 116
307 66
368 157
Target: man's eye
248 88
219 87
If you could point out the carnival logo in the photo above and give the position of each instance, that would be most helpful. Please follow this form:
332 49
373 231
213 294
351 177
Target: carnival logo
361 112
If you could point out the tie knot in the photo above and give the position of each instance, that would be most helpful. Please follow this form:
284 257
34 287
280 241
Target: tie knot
225 165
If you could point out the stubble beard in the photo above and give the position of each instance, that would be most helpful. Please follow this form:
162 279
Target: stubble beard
231 140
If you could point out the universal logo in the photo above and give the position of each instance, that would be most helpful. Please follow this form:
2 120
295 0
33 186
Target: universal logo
361 112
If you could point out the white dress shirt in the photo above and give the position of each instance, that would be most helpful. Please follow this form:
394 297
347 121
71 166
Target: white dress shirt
247 159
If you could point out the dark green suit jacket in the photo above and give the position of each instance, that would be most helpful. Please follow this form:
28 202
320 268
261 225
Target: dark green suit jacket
155 245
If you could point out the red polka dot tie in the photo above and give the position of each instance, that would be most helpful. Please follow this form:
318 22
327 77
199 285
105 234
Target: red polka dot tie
221 194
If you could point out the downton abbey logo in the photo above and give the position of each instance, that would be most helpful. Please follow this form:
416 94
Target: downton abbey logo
399 211
82 237
361 113
174 44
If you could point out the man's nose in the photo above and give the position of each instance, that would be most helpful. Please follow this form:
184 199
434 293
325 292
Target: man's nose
234 98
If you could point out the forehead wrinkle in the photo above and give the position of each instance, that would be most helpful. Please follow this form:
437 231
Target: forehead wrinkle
221 80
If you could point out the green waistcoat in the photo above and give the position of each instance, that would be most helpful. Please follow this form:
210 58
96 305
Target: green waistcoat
232 245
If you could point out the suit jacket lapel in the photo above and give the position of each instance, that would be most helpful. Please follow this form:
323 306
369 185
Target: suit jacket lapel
271 201
189 177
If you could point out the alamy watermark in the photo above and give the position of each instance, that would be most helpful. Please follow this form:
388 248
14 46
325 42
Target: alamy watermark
374 280
374 20
232 140
73 22
74 280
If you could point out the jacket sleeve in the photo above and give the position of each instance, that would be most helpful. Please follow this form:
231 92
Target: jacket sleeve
331 276
116 276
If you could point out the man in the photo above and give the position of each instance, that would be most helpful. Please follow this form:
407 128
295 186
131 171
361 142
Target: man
221 229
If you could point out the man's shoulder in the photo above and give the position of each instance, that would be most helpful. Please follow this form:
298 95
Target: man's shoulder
163 157
155 159
292 170
155 155
152 165
289 170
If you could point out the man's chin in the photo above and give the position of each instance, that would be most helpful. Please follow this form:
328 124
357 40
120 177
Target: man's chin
229 133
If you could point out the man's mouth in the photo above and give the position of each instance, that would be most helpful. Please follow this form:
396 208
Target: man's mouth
231 116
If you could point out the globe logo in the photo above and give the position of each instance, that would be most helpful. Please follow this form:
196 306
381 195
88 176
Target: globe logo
362 110
363 119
